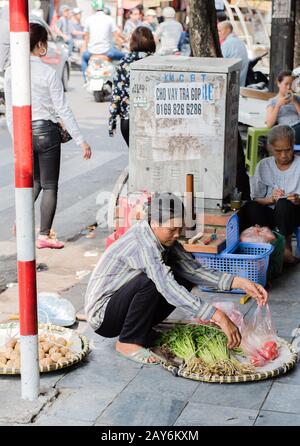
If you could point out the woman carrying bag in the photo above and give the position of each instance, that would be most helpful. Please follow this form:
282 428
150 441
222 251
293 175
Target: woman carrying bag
48 102
142 44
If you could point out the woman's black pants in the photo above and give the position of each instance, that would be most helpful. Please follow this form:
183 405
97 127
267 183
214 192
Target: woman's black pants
285 216
134 310
125 130
46 156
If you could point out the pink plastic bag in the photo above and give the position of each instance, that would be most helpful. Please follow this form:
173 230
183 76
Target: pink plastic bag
259 337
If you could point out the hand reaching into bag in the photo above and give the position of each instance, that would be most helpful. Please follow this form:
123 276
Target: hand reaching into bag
253 289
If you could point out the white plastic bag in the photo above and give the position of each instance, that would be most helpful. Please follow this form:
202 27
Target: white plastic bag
53 309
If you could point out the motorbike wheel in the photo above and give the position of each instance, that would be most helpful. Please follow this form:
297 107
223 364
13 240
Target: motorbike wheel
99 96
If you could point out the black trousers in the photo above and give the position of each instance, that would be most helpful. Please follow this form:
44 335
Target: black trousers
46 156
125 130
134 310
242 178
285 216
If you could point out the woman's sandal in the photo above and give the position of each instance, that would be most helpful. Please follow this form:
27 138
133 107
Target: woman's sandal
142 356
52 244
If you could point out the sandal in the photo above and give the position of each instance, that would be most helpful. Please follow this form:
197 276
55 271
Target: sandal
50 243
142 356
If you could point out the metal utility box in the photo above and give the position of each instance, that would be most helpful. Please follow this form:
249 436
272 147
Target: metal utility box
184 119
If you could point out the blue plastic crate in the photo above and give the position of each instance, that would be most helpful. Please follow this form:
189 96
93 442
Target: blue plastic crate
249 260
232 234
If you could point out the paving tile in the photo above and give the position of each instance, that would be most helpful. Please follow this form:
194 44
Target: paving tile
287 285
197 414
46 420
50 379
267 418
283 398
244 395
291 377
105 373
141 409
161 382
14 409
84 404
76 294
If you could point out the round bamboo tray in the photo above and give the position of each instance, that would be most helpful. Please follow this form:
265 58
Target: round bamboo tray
77 343
285 361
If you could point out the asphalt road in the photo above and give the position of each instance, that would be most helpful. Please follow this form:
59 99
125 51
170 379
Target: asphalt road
81 181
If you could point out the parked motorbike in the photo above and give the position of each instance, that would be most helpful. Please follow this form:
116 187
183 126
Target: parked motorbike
99 77
256 79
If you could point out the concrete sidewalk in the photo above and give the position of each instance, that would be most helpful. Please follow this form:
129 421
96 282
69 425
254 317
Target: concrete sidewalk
107 390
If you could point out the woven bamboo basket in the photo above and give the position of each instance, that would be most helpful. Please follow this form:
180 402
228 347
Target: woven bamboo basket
77 343
286 361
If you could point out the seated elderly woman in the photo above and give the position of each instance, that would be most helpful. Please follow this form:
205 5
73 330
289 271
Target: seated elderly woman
285 107
275 189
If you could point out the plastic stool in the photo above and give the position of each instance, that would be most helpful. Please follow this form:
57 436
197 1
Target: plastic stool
253 135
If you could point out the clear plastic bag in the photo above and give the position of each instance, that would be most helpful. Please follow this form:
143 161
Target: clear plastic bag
259 337
234 315
53 309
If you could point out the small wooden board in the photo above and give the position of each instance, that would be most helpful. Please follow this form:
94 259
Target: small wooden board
214 247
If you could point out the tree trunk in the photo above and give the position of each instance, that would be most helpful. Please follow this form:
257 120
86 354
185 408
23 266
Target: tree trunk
203 29
282 49
297 37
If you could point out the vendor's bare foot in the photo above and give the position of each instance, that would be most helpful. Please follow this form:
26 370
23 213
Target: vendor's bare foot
129 349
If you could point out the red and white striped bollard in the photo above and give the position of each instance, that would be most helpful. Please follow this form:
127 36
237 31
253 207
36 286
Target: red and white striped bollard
22 141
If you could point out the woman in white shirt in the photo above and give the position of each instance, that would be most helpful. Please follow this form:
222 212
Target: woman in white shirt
48 102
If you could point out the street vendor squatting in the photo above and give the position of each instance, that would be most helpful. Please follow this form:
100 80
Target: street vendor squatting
140 251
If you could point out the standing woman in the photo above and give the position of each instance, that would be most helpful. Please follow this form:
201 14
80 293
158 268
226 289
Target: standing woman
285 107
48 102
142 44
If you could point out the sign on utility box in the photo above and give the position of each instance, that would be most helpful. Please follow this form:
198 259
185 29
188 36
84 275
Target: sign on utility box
184 119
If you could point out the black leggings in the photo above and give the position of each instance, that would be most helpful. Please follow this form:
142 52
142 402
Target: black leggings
135 309
125 130
46 155
285 216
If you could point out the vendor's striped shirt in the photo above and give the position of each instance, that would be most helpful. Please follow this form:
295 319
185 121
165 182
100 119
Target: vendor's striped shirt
139 251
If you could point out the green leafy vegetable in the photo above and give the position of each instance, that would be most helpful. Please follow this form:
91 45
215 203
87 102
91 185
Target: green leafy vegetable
204 350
